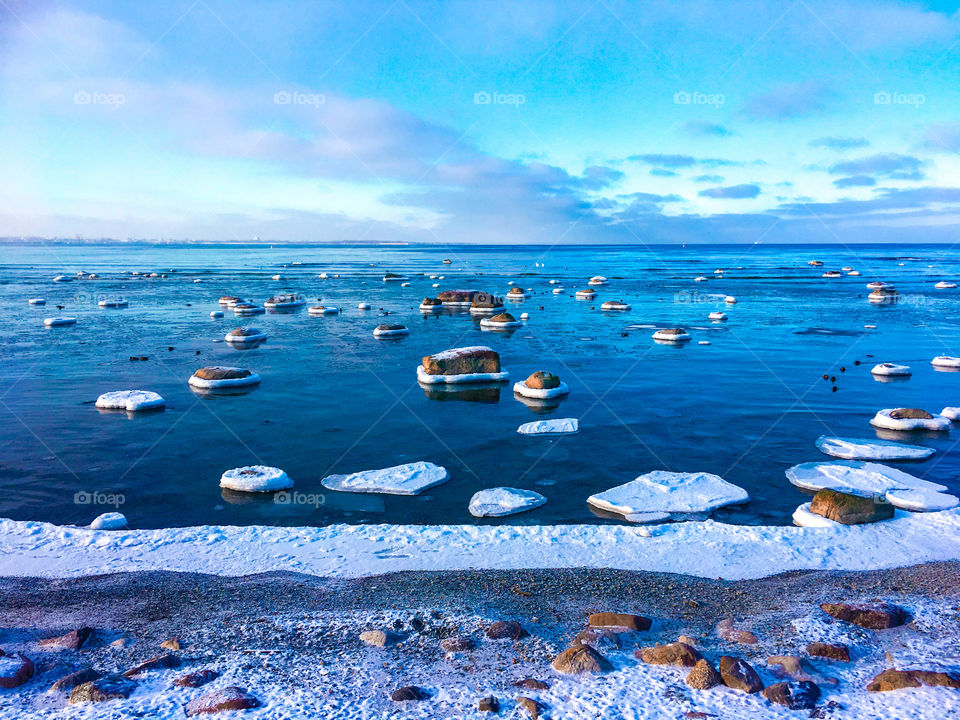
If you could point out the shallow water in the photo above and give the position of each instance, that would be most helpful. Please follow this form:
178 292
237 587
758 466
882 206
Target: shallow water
334 399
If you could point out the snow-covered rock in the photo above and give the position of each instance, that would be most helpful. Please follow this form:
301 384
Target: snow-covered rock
588 294
541 386
218 376
390 331
615 306
869 479
716 315
803 517
499 501
256 478
109 521
890 369
476 363
409 479
245 308
320 310
597 280
37 301
946 361
909 419
216 314
730 300
59 321
552 426
657 495
115 303
285 301
671 335
130 400
953 413
943 285
363 306
870 449
502 321
245 336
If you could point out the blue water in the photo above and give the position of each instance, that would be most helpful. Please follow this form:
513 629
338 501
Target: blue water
334 399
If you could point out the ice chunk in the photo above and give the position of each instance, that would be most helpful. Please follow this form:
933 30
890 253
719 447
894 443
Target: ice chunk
409 479
867 449
662 491
909 419
130 400
556 425
499 501
109 521
256 478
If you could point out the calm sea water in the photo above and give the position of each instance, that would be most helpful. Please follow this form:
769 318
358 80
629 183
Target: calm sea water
334 399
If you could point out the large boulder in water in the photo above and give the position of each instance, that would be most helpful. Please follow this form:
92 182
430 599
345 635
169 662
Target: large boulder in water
463 361
457 296
222 373
542 380
849 509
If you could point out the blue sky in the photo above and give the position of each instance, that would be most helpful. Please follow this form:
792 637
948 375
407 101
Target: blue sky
561 122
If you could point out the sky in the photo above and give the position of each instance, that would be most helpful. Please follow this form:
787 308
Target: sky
488 122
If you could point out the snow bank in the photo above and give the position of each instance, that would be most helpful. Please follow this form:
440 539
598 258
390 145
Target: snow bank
705 549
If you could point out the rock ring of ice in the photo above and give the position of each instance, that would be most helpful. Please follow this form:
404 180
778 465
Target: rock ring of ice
521 388
409 479
37 301
671 337
428 379
130 400
946 361
59 321
891 369
885 421
254 336
255 479
319 310
869 449
205 383
390 332
615 305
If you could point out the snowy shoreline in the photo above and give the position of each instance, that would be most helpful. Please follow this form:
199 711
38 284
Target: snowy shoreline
706 549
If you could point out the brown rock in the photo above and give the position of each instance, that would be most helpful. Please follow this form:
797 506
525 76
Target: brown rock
171 644
221 373
409 693
531 684
383 327
728 632
598 638
15 670
830 651
796 696
108 687
161 662
677 653
460 361
506 629
196 678
897 679
910 414
228 698
849 509
73 640
703 676
245 332
485 300
530 705
581 659
459 643
873 617
69 682
379 638
610 619
489 704
503 317
458 296
739 674
544 380
432 301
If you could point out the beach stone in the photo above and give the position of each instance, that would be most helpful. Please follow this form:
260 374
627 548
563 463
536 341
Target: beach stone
898 679
677 653
581 659
531 684
873 617
15 670
161 662
379 638
489 704
459 643
830 651
503 317
611 619
408 693
221 373
460 296
598 637
703 676
73 640
739 674
171 644
530 705
196 678
728 632
910 414
541 380
69 682
228 698
687 640
506 629
108 687
462 361
796 696
431 301
849 509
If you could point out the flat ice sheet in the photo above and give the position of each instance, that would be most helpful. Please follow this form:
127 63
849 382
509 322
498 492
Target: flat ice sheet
555 425
130 400
871 449
409 479
499 501
669 492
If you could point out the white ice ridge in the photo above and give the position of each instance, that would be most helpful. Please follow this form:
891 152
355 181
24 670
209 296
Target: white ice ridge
871 449
409 479
704 549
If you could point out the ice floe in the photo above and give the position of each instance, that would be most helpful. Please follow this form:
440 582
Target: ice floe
37 301
716 316
115 303
615 306
130 400
891 370
946 361
551 426
109 521
218 376
953 413
597 280
409 479
256 479
869 479
908 419
385 331
245 336
943 285
541 386
58 321
871 449
500 501
320 310
671 335
660 494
